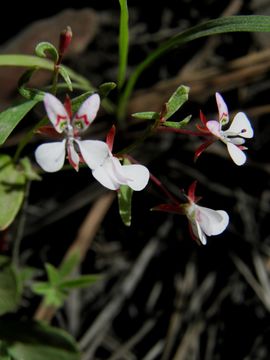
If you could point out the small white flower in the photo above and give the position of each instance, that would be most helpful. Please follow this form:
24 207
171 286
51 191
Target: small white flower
112 174
234 137
204 221
51 156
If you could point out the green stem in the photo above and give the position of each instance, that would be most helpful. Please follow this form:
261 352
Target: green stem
55 79
20 228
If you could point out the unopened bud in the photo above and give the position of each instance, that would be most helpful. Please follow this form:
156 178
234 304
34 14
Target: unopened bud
65 40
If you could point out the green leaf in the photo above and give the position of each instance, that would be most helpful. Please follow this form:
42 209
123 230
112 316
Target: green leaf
53 274
105 88
35 61
11 117
29 93
243 23
79 282
69 264
9 290
123 42
65 75
178 98
28 340
146 115
124 201
177 124
12 188
44 48
41 288
28 170
53 296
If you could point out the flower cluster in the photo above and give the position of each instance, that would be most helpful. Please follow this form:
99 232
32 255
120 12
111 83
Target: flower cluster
105 167
233 137
110 172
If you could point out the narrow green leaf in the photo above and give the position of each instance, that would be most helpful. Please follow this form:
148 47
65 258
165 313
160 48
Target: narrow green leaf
44 48
12 187
35 61
53 295
29 93
80 282
243 23
177 124
178 98
69 264
65 75
106 88
11 117
146 115
53 274
28 340
41 288
9 290
123 42
124 201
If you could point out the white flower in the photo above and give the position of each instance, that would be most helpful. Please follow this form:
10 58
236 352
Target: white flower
51 156
234 137
111 174
204 221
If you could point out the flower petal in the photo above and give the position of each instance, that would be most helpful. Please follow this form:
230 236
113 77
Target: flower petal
56 112
51 156
238 156
241 126
223 114
137 176
107 175
94 152
212 222
197 231
73 157
214 127
87 112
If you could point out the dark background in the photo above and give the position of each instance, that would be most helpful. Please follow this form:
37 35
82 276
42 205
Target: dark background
209 293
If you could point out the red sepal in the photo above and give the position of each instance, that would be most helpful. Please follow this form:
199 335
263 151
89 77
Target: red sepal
201 148
49 131
68 107
191 191
110 137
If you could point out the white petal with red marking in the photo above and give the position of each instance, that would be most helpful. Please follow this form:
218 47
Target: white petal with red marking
241 126
214 127
87 112
51 156
223 114
56 112
238 156
94 152
137 176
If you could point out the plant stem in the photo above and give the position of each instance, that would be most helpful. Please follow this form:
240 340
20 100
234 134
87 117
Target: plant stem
20 228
